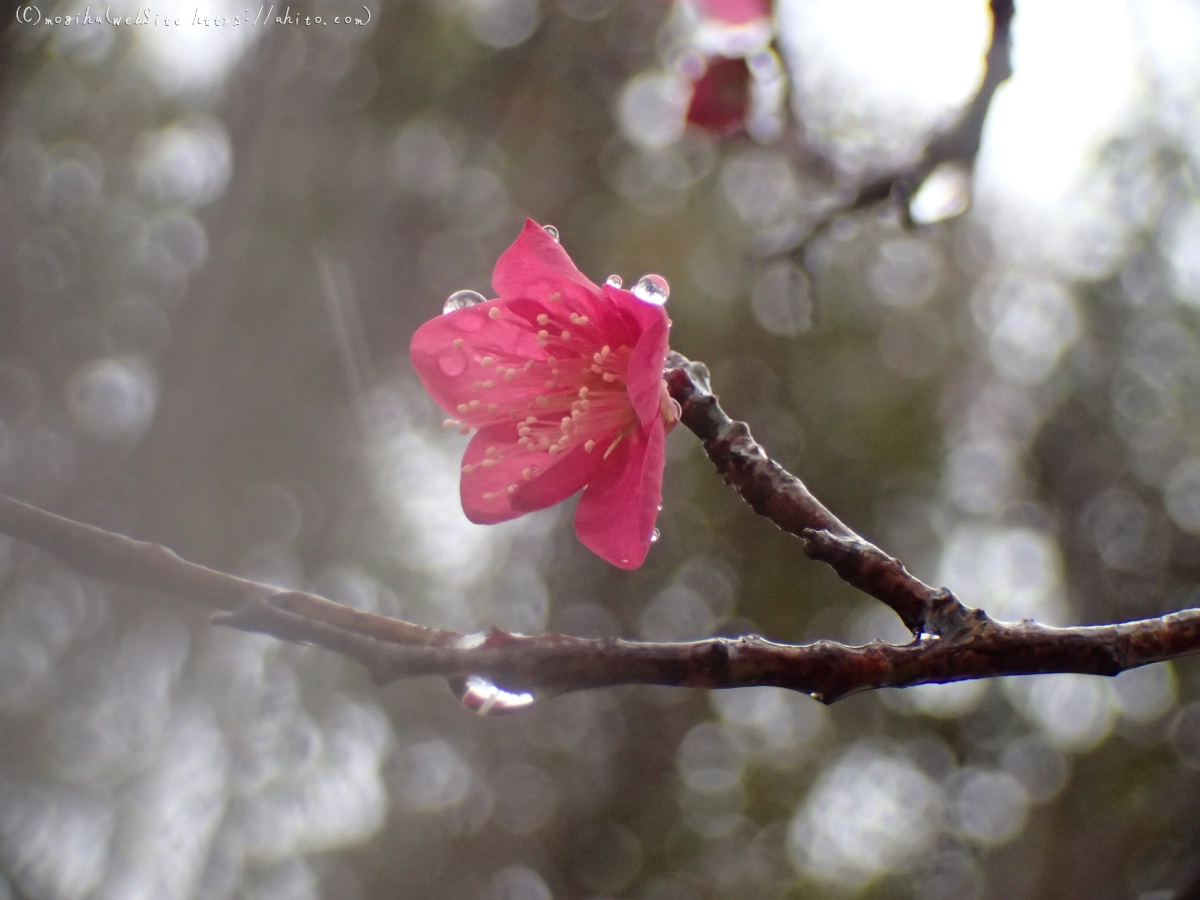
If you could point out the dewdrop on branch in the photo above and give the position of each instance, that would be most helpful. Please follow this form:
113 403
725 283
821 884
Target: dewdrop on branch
562 381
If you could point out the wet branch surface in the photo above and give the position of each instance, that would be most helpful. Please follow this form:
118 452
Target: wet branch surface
951 641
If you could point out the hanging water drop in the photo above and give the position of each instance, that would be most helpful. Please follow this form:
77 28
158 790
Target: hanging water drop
552 231
613 281
462 299
652 289
655 535
484 698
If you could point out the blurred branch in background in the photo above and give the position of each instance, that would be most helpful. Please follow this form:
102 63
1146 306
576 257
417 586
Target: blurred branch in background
952 642
952 149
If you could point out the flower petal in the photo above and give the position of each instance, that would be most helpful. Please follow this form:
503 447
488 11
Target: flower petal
644 377
615 518
484 490
566 476
536 265
455 375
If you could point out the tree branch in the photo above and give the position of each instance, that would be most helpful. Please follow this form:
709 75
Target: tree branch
552 663
774 492
952 642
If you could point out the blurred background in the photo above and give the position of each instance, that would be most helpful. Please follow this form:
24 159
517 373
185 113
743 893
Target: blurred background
216 241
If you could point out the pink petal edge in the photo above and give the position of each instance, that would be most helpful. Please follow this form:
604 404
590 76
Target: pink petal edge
616 514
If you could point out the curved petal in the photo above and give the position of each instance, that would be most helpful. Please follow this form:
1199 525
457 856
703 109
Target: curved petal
536 265
616 515
644 377
455 375
565 476
638 313
484 490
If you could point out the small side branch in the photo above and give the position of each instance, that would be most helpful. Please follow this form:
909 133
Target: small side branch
780 496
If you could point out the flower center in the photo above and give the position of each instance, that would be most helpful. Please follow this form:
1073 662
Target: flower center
580 399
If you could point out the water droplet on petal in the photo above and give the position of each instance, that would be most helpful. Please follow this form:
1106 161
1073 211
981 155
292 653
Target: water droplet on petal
613 281
652 289
655 535
484 698
552 231
462 299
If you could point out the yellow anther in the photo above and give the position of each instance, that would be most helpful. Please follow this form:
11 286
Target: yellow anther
529 420
566 335
540 401
464 429
474 404
610 377
487 361
494 312
458 343
488 463
588 445
449 423
555 297
527 472
543 319
488 385
462 407
510 374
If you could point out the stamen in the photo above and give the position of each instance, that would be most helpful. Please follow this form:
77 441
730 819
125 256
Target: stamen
540 401
458 343
527 472
449 423
543 319
474 404
488 463
462 407
489 384
494 312
610 377
529 420
464 428
588 445
510 374
487 361
611 447
555 297
566 335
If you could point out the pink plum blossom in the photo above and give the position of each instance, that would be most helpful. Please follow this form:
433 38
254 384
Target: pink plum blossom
564 381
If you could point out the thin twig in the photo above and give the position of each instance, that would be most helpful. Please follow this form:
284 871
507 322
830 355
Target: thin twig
959 143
